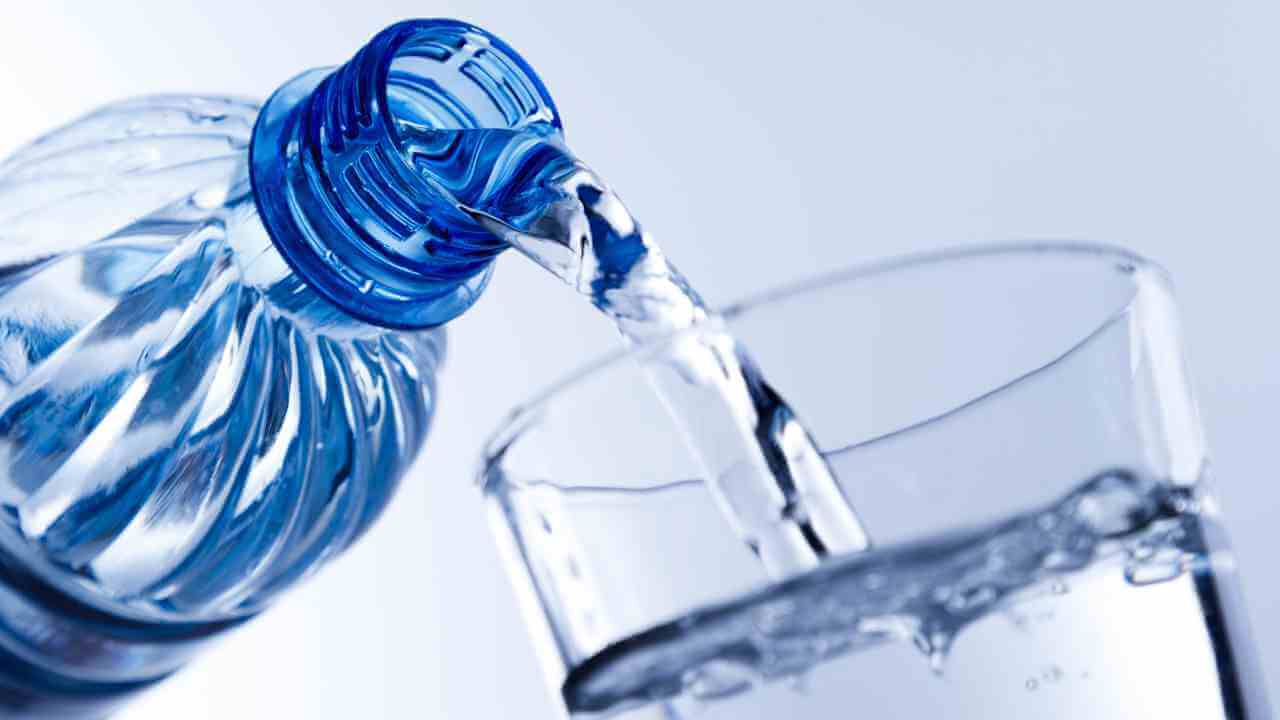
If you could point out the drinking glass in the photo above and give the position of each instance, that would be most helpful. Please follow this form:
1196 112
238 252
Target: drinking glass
1014 429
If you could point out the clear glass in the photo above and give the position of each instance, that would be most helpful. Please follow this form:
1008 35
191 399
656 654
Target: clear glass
1015 429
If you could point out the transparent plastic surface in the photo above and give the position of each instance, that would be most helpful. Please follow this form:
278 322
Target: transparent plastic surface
186 428
364 172
192 280
1015 430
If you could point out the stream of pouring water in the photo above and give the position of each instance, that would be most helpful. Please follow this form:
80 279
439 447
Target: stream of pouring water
772 481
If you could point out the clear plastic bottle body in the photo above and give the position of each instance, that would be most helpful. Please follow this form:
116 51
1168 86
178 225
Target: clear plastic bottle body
186 428
219 339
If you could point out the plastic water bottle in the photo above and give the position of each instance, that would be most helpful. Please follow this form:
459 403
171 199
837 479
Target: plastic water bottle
218 347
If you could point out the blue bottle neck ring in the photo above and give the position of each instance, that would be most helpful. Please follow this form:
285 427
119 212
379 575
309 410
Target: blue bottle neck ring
342 167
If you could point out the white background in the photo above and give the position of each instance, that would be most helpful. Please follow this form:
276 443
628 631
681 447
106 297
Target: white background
762 144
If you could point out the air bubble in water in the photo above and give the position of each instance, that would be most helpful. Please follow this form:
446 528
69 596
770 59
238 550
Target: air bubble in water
1154 571
926 596
719 679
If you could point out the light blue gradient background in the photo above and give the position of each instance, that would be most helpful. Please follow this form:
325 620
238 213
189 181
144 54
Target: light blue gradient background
759 146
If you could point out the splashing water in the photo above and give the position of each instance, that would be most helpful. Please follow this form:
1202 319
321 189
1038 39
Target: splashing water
923 594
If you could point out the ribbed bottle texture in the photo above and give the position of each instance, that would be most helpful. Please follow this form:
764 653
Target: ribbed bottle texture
186 427
215 354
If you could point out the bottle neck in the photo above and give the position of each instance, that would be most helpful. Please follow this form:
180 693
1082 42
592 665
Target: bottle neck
351 169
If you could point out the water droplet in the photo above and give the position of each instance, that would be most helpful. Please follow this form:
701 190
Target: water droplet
719 679
1032 684
935 645
973 599
938 661
1154 571
1116 503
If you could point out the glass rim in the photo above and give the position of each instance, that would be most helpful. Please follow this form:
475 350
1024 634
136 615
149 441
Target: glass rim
525 412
